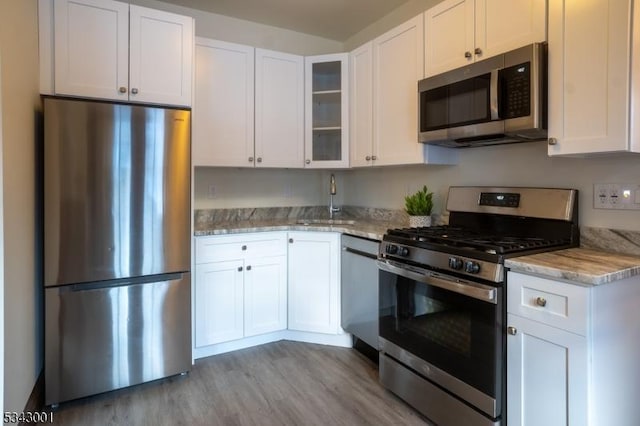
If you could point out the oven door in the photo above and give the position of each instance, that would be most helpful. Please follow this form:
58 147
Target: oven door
448 330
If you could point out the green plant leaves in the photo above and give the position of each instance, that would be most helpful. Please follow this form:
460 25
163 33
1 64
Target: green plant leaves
420 203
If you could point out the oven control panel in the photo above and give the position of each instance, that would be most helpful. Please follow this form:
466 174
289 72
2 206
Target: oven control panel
397 250
439 260
468 266
499 199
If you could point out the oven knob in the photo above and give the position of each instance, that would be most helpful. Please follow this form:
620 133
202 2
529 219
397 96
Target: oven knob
391 249
403 251
455 263
471 267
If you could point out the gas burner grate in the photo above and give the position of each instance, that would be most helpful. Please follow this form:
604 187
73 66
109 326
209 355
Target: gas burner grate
469 239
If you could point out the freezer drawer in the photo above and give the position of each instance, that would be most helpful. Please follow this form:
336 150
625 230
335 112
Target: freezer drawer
109 335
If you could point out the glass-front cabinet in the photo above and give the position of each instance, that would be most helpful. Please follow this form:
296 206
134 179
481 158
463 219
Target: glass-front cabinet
326 111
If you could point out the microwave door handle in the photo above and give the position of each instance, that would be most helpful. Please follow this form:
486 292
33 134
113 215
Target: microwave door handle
493 96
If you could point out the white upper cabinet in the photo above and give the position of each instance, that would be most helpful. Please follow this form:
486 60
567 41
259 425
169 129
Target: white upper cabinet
593 78
108 49
383 99
91 39
361 105
398 58
326 111
279 109
160 56
223 104
458 32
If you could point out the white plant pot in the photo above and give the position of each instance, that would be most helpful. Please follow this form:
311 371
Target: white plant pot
419 221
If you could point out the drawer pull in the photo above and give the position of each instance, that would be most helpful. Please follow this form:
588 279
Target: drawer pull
541 301
512 330
239 268
244 247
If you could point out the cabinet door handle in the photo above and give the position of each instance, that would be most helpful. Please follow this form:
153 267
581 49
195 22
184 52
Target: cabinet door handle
244 247
467 55
552 141
541 301
374 158
122 89
307 161
239 268
290 240
249 268
477 51
134 91
259 159
368 158
251 159
512 330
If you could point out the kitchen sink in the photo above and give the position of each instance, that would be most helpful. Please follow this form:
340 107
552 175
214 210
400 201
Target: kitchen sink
325 222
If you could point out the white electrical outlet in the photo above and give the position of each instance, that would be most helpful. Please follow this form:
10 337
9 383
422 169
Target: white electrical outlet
288 190
211 192
616 196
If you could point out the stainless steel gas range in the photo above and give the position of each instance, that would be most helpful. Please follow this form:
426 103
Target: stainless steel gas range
443 298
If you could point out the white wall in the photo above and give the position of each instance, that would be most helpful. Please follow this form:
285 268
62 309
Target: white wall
263 188
250 33
22 292
524 164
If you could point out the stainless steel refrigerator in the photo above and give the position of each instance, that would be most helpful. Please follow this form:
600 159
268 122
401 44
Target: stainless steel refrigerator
116 245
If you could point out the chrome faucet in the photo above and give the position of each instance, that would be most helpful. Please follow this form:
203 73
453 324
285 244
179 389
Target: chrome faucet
332 192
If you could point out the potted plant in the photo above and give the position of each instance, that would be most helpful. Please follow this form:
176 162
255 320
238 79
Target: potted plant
418 207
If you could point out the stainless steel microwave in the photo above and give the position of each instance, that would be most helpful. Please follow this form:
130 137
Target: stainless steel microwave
502 99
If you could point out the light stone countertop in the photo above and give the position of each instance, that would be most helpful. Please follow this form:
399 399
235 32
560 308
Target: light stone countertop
584 266
364 222
366 228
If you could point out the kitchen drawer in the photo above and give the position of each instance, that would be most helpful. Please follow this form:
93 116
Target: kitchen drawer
555 303
239 246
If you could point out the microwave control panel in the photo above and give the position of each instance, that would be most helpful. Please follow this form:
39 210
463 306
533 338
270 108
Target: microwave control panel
515 91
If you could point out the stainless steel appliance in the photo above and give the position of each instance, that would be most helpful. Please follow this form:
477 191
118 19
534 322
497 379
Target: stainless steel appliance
116 245
442 308
359 289
499 100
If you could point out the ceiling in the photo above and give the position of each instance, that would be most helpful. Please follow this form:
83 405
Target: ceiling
332 19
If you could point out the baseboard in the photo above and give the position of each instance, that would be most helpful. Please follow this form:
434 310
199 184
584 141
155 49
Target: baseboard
343 340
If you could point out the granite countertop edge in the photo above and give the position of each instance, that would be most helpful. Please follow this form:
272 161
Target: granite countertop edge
583 266
371 229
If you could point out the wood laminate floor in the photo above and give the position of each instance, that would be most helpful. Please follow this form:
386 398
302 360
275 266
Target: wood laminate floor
281 383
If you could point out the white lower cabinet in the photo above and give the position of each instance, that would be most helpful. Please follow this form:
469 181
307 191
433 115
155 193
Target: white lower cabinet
314 281
265 295
219 302
546 380
255 288
240 287
572 352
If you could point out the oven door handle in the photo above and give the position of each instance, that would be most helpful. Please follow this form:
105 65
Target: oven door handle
466 288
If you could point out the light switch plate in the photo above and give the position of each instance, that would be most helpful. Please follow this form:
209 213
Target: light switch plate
616 196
